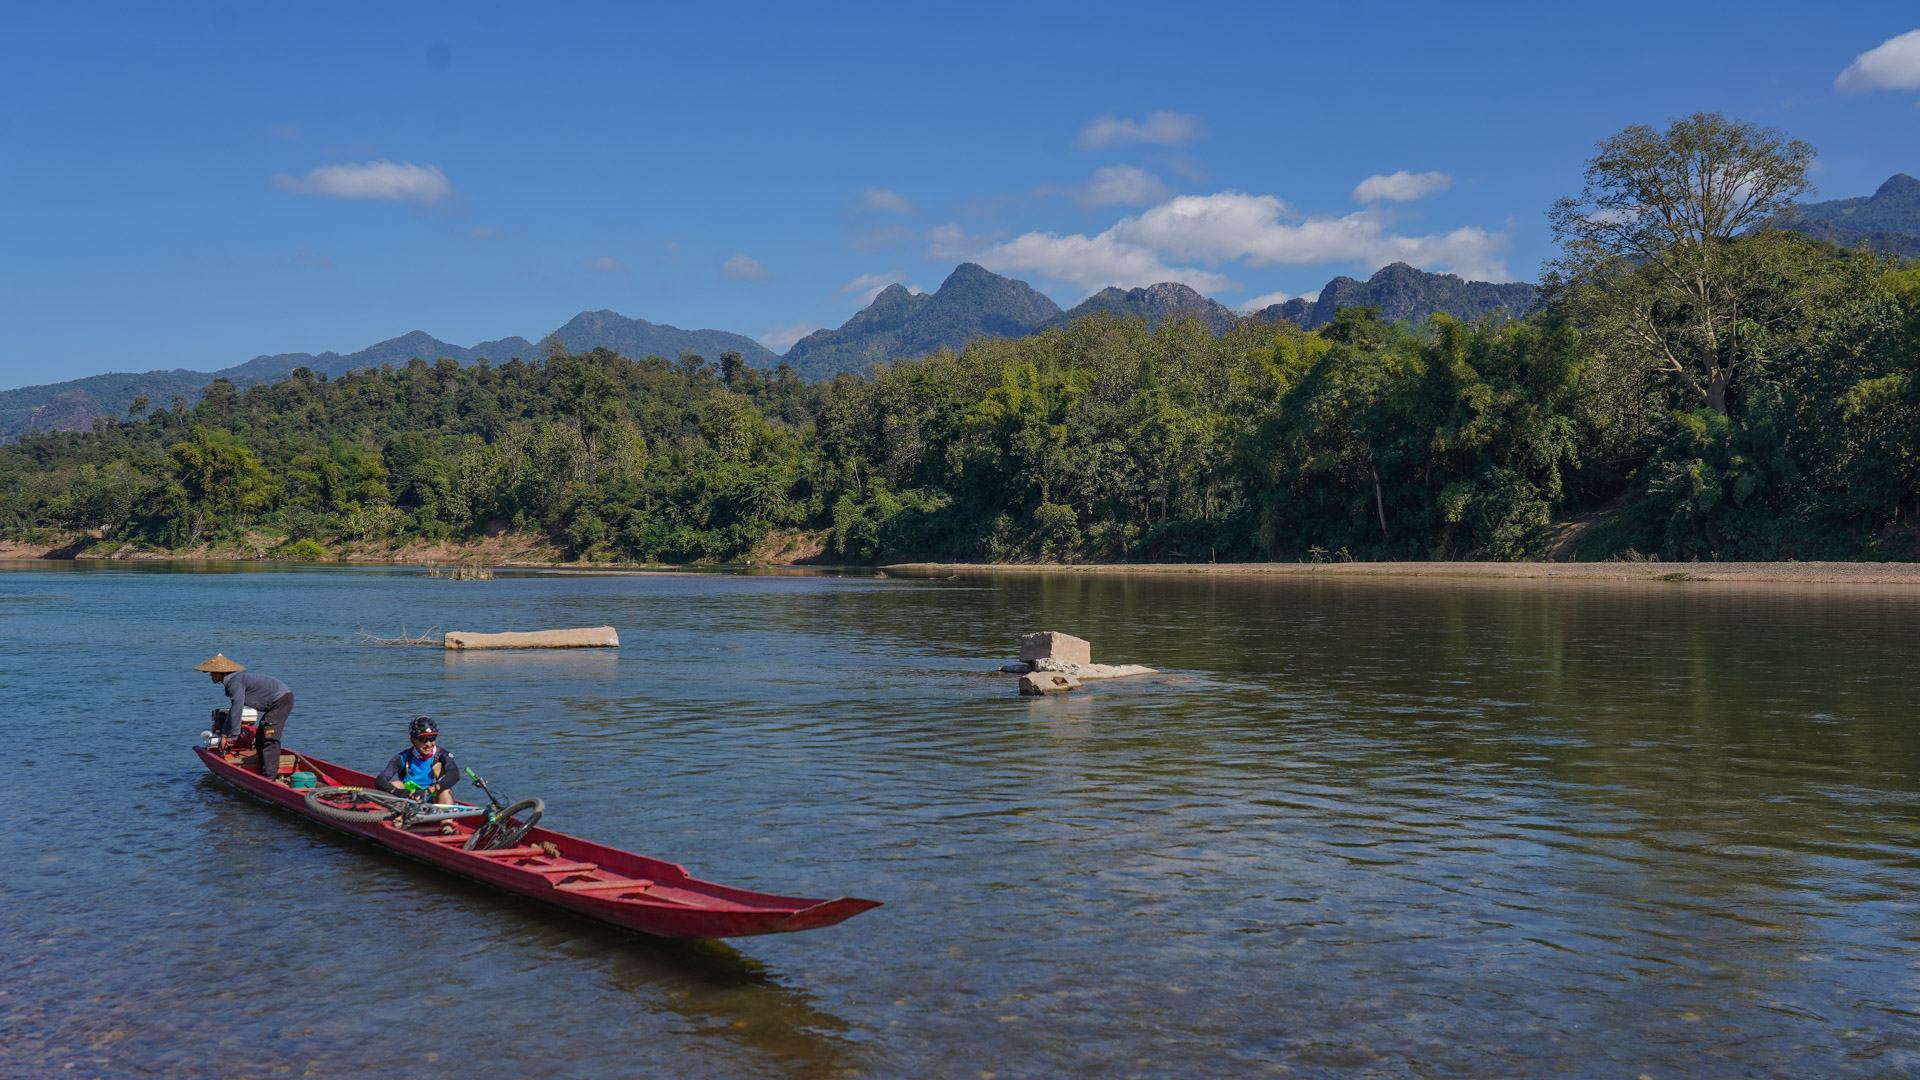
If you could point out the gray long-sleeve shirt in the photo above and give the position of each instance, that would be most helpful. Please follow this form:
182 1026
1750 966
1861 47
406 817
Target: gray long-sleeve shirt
248 690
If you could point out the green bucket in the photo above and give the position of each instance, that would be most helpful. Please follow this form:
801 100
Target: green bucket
303 779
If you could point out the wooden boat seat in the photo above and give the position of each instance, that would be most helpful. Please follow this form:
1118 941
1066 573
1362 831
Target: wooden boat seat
288 764
563 868
629 885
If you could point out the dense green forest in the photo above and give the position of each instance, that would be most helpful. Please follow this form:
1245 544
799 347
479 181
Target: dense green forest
1697 386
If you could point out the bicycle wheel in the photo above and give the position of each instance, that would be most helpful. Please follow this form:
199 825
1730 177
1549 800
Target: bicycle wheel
509 828
362 806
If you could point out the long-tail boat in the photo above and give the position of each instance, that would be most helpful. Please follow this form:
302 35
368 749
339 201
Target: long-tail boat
602 883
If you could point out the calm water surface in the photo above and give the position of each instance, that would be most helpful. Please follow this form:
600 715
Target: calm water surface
1360 828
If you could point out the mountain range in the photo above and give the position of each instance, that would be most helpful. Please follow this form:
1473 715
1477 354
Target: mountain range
1887 221
1403 292
72 405
973 302
1155 303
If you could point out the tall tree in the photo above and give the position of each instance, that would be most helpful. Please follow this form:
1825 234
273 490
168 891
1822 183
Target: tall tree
586 392
1658 251
219 480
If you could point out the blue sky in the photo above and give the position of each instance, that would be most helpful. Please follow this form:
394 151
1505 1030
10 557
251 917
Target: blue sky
191 185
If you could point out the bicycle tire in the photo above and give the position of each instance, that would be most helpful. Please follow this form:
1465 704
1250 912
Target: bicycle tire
509 828
341 813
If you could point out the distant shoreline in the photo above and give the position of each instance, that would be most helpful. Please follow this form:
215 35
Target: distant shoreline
529 553
1834 573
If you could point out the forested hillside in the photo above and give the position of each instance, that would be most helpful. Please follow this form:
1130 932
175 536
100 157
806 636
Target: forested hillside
73 405
1728 392
1887 221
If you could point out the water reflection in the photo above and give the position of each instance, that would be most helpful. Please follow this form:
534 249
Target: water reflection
722 993
1358 827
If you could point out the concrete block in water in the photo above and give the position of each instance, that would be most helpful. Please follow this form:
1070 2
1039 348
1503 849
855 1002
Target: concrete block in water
1048 645
586 637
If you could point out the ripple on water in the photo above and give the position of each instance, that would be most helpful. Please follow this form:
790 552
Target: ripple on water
1361 828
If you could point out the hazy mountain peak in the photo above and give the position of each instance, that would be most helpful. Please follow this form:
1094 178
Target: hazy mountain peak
973 302
1407 292
637 337
1887 221
1154 303
896 297
72 405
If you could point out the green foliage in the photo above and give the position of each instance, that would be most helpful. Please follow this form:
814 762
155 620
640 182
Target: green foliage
306 550
1660 256
1104 438
216 484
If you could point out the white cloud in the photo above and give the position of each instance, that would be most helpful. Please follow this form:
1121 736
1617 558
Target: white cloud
1232 225
1894 64
1402 186
1254 230
604 265
422 185
867 286
888 235
780 338
1166 128
878 198
1122 185
952 242
1258 302
744 268
1093 263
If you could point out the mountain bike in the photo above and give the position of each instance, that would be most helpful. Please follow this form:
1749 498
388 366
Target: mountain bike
506 824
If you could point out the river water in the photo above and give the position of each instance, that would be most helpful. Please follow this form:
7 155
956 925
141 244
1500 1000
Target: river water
1358 828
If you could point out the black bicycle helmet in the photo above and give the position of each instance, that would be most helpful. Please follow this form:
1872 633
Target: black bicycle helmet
422 725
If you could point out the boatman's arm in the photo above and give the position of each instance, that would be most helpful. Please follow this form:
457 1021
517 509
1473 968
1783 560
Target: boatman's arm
236 688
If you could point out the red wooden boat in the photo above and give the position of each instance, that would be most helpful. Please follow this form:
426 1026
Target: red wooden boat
599 882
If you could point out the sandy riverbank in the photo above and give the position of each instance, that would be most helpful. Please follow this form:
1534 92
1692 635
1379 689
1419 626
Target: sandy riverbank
507 550
527 551
1801 572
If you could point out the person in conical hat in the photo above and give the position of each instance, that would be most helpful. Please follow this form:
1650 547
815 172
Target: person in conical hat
263 693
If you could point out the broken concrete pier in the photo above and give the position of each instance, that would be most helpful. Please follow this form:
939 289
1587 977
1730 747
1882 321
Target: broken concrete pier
1054 653
1047 682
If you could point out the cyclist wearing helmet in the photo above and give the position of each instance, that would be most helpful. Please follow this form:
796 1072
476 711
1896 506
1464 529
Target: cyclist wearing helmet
423 770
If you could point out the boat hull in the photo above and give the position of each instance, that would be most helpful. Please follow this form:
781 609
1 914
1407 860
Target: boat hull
602 883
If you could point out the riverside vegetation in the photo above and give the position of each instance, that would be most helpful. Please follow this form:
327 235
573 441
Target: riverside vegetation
1697 385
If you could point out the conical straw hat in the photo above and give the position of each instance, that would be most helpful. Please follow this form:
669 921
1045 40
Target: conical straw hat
220 664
